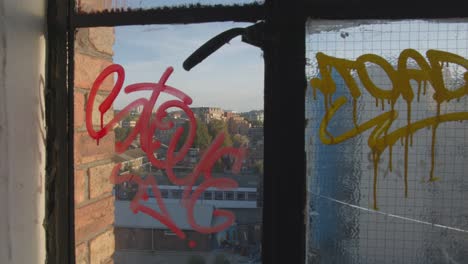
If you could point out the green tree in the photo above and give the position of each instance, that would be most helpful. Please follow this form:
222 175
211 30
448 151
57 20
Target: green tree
202 137
121 133
215 127
258 166
239 140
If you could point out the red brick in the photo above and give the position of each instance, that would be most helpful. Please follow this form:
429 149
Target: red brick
102 248
102 38
81 190
99 183
87 70
94 5
81 253
79 109
87 150
96 117
93 218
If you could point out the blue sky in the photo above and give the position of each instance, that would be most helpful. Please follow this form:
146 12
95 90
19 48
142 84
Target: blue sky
231 78
158 3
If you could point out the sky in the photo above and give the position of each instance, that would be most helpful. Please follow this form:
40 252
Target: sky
231 78
158 3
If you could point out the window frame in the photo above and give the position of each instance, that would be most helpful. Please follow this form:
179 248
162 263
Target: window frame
284 191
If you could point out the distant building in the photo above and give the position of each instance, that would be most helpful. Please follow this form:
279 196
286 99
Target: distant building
255 134
165 135
255 115
256 152
128 123
206 114
238 125
132 158
230 114
193 156
177 115
152 235
137 111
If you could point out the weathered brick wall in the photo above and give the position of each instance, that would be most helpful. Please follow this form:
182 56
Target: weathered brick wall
94 202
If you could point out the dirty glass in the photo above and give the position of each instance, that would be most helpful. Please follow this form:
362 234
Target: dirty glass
89 6
168 163
386 141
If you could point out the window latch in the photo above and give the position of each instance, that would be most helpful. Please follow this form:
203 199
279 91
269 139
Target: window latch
252 35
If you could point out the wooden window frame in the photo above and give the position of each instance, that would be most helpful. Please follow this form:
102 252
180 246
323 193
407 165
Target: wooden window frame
283 44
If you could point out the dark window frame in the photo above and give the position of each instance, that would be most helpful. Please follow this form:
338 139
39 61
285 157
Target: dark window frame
284 53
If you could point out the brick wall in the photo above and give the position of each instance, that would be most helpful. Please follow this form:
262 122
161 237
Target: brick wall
94 202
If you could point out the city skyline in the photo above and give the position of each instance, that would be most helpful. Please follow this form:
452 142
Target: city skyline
203 106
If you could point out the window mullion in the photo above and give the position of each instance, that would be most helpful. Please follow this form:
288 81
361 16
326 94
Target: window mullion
284 182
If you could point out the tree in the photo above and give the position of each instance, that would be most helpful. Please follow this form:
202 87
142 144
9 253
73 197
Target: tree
215 127
202 136
258 166
239 140
121 133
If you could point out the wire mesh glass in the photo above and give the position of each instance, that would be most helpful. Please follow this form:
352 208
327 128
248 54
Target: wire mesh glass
376 195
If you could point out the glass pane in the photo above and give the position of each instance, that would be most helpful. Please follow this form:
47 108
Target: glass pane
387 148
87 6
157 167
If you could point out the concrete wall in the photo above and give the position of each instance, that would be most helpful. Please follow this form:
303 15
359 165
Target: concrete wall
22 131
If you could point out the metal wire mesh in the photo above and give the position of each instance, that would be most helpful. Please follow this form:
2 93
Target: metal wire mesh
430 225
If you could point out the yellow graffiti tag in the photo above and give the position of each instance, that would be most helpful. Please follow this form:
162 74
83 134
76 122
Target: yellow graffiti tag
380 138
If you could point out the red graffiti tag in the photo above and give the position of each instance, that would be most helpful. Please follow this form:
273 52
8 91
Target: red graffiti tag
146 125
